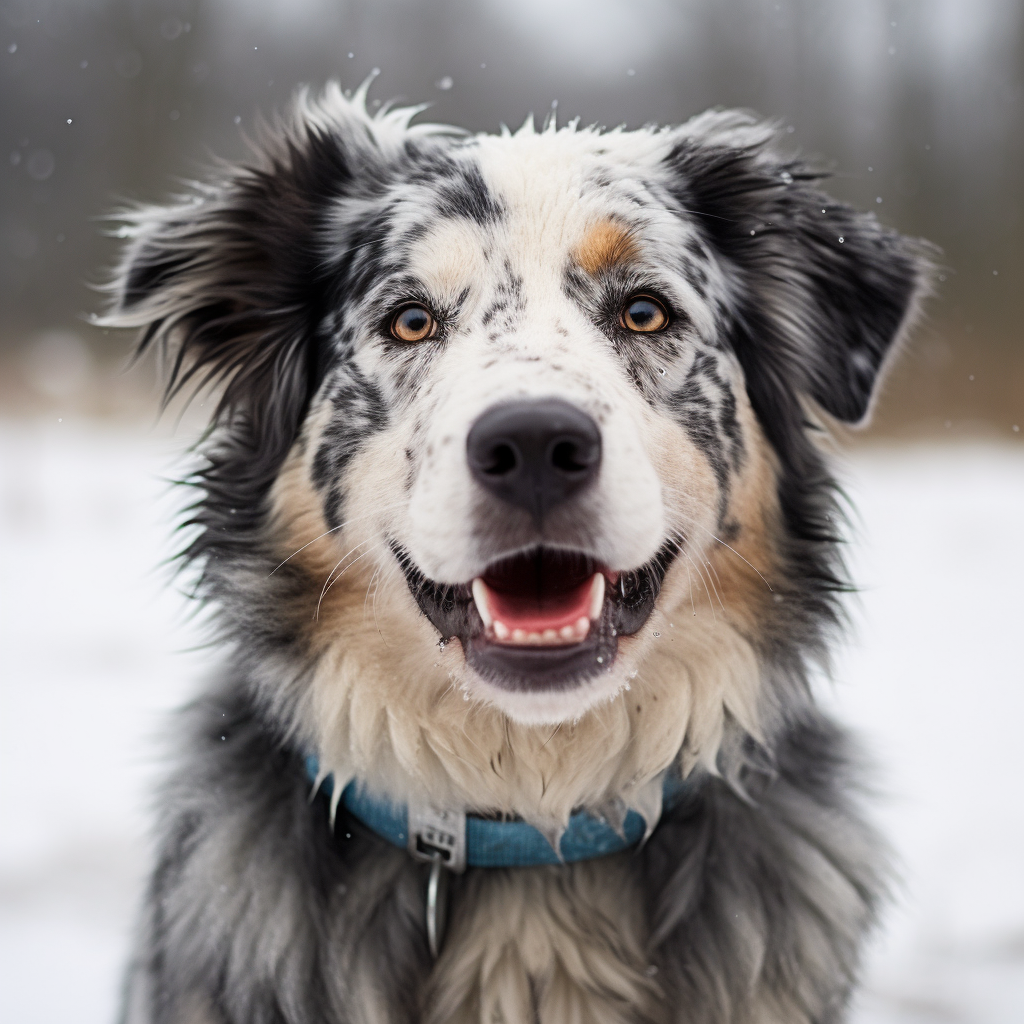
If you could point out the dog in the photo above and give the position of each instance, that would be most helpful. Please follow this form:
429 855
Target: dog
517 518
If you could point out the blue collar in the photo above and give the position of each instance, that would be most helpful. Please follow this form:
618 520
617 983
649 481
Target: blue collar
461 841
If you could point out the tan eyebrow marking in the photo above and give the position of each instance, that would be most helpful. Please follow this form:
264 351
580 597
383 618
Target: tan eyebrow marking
605 245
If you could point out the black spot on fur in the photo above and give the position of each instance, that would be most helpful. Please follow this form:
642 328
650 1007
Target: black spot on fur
696 414
694 272
467 195
358 412
508 302
706 407
367 253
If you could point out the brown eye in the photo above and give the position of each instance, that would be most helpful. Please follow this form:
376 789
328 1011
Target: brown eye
414 323
644 314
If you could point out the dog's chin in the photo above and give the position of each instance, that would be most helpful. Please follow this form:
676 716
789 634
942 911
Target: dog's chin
549 707
540 628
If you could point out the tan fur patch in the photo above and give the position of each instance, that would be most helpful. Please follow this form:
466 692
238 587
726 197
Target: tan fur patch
605 245
744 569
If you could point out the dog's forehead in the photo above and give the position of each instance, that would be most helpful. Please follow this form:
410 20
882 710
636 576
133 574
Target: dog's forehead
552 184
536 202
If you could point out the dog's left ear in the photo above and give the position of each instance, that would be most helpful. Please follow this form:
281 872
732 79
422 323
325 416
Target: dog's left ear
821 294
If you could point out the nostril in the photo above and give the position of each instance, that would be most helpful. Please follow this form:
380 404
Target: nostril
502 460
567 457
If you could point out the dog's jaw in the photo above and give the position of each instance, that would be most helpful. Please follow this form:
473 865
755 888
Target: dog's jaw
535 678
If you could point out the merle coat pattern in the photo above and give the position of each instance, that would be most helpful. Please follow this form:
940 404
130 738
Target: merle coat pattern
341 534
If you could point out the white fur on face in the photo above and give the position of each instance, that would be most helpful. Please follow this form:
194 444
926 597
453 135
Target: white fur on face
519 333
453 530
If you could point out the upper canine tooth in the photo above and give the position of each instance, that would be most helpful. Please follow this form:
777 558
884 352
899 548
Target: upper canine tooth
480 599
596 595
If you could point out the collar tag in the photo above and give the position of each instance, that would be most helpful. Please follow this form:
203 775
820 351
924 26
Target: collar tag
438 835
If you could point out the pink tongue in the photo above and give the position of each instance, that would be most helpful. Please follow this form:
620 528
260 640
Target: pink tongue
532 617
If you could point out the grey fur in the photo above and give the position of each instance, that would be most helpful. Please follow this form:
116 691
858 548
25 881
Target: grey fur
758 891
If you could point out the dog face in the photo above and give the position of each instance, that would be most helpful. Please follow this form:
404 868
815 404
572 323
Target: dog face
555 411
500 409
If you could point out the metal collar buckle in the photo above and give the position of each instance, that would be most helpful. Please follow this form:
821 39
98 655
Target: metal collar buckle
439 838
438 835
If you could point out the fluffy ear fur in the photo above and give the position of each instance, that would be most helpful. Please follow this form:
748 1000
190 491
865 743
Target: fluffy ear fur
226 280
225 284
824 293
230 283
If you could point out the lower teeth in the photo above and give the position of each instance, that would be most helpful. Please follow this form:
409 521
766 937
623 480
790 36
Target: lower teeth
572 633
534 638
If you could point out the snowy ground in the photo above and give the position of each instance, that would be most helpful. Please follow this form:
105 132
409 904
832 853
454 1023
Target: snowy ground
89 627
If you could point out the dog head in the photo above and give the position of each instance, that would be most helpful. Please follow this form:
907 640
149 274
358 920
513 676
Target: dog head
499 413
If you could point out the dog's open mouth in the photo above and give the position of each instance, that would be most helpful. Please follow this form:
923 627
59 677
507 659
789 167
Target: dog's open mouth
543 598
543 619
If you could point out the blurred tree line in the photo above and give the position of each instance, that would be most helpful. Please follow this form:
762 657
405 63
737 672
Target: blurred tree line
918 105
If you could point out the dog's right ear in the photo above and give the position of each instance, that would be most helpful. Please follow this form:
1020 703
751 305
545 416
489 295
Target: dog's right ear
225 282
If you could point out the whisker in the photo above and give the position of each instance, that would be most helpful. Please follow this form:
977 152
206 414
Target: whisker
384 580
711 602
378 576
329 582
718 539
350 564
340 526
552 736
306 545
679 535
373 579
326 581
714 586
711 566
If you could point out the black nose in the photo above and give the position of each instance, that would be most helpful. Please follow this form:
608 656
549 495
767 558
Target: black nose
534 454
